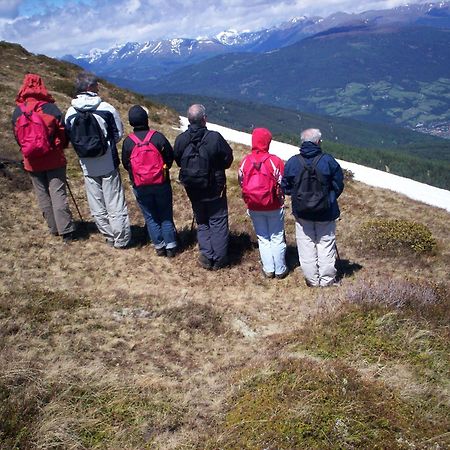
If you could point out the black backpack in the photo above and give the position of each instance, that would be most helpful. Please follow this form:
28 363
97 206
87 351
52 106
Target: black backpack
86 136
195 166
311 191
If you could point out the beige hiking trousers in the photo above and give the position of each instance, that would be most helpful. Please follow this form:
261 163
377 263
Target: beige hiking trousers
316 245
50 189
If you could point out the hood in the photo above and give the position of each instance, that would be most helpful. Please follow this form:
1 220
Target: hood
86 101
310 150
33 88
196 132
261 138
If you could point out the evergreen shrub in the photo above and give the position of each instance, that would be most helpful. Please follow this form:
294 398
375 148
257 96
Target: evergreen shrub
397 235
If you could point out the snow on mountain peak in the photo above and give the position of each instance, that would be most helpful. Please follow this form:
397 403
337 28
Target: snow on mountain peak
92 55
228 37
298 19
175 45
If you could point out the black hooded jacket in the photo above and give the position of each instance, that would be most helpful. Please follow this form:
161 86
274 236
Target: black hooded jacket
221 158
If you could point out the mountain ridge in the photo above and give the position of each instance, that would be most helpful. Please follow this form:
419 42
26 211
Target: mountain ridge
109 62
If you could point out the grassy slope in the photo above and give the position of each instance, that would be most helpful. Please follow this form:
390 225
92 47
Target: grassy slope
112 349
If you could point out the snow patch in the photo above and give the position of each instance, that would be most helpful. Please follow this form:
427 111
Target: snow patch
413 189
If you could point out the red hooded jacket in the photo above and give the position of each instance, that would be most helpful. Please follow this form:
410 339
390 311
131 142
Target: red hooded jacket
34 91
261 138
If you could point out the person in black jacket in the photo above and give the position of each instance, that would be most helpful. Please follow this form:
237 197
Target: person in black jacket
155 200
209 203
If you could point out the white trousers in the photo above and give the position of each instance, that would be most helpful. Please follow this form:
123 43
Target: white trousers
106 199
269 228
316 245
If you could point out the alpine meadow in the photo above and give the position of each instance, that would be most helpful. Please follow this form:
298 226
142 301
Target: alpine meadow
120 349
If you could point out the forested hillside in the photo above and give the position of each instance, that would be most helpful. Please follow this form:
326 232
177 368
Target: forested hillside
393 75
398 150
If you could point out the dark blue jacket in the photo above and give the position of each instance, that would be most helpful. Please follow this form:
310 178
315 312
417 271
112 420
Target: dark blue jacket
332 173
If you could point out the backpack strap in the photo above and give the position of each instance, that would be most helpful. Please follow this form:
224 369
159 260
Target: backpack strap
314 163
147 137
25 110
309 168
134 138
316 160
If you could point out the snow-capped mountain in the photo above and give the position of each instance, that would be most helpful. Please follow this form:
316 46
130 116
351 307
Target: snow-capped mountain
130 63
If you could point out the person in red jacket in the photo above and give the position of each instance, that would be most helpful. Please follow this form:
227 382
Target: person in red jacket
47 170
260 176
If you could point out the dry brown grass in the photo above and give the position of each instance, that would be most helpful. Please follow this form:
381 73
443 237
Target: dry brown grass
110 349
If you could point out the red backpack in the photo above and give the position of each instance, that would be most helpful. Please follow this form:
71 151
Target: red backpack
32 133
259 185
147 164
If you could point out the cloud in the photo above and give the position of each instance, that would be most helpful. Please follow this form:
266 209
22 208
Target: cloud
76 28
9 9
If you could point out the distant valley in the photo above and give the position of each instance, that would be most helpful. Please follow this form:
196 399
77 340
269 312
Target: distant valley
389 66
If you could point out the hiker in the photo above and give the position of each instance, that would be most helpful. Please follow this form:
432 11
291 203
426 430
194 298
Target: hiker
203 156
94 127
39 131
147 156
314 180
260 176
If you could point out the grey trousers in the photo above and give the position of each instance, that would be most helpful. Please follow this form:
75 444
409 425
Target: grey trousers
50 189
316 245
106 199
212 229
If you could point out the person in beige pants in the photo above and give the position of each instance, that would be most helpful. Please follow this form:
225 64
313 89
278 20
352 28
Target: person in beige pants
315 226
47 170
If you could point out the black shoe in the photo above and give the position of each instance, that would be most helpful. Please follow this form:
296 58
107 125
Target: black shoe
171 252
161 251
205 262
280 276
69 237
220 264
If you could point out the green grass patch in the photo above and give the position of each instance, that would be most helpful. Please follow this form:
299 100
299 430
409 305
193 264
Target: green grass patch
379 335
305 404
36 304
81 412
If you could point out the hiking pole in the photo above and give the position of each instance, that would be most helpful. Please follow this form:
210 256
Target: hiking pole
337 252
73 199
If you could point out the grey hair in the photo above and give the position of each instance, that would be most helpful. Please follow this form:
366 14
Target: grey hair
311 135
84 81
196 114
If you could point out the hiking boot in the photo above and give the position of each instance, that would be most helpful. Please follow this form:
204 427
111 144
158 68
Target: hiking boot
69 237
282 275
171 252
220 264
333 283
161 251
268 274
205 262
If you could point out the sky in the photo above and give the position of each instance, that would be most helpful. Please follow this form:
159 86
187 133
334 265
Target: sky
413 189
59 27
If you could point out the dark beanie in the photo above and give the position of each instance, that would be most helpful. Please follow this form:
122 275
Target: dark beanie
137 116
